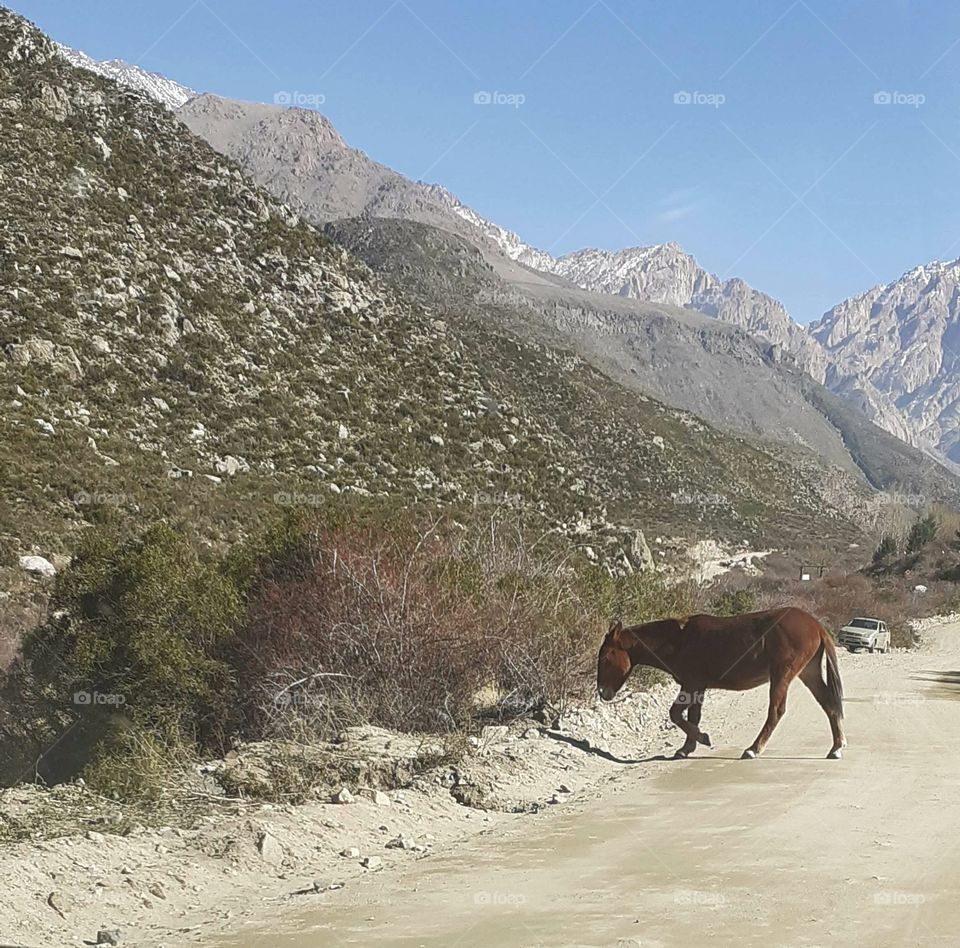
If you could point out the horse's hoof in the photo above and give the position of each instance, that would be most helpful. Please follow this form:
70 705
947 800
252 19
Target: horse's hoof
681 754
705 740
748 754
835 755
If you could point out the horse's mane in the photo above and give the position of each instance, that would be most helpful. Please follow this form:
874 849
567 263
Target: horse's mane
664 626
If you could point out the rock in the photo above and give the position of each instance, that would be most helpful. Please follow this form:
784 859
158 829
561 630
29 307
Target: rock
640 554
108 937
351 852
343 432
157 891
437 440
59 903
371 862
231 465
402 842
343 795
494 732
380 798
73 253
38 566
271 852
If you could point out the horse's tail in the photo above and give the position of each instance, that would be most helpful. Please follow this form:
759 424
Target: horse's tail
834 684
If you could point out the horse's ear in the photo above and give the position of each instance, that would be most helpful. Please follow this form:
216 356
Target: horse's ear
615 629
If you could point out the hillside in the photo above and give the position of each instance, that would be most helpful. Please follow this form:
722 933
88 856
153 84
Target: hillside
300 157
725 373
196 351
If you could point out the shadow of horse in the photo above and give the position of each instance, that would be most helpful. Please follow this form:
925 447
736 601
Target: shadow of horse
939 677
588 748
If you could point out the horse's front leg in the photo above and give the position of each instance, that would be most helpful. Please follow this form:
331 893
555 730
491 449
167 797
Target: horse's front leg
689 700
779 683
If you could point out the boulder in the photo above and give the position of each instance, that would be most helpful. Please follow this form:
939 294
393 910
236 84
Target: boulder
39 566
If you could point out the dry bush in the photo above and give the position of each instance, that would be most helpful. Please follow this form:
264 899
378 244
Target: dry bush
413 630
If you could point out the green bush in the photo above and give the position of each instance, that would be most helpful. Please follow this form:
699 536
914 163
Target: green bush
363 613
734 602
887 548
923 532
130 649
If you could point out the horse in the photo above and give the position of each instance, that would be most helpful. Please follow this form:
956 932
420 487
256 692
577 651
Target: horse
733 653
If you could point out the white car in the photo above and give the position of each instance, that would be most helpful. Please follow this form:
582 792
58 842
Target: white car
863 632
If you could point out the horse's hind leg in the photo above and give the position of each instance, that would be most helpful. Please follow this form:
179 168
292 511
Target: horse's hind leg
779 683
690 701
812 677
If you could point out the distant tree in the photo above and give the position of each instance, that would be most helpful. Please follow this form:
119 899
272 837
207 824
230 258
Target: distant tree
924 531
887 548
955 542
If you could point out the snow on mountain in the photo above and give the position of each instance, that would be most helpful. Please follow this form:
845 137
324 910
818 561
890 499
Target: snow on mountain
665 273
167 92
895 352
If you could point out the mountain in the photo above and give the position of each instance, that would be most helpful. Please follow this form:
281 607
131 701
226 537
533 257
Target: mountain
719 371
904 386
895 353
168 93
664 273
195 350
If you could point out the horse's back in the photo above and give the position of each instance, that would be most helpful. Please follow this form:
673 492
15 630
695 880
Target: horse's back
739 651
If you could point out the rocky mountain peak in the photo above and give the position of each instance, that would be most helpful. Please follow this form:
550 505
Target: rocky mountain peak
895 352
168 93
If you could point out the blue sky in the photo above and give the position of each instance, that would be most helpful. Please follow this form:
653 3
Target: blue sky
777 166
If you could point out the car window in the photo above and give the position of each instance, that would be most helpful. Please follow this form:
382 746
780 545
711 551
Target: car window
864 624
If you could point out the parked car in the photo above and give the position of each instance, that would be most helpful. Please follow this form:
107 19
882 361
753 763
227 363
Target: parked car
867 633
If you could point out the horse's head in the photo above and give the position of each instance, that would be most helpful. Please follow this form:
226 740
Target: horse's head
613 663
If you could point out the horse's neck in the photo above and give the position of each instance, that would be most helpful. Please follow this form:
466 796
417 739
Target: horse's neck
653 647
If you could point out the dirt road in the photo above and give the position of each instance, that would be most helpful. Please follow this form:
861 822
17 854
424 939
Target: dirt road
790 849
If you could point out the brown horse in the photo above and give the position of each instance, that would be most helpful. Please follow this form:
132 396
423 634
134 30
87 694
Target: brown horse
733 653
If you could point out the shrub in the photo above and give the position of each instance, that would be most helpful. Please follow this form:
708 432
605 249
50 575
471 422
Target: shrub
734 602
922 533
887 548
130 641
376 617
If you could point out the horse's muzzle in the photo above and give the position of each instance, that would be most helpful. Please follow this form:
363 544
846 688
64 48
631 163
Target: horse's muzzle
606 694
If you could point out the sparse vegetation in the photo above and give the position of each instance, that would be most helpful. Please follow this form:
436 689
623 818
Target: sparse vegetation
367 614
922 533
887 547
